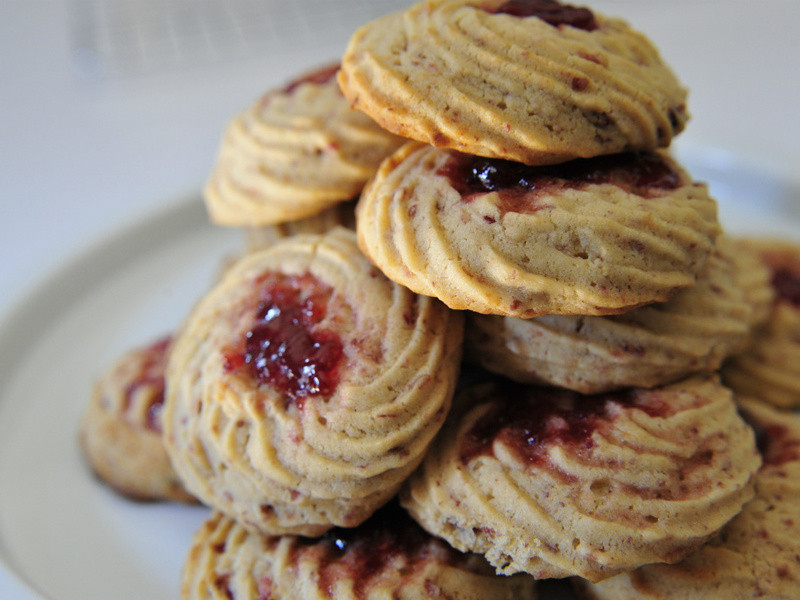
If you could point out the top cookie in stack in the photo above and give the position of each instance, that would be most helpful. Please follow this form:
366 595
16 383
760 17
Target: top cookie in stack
482 77
537 184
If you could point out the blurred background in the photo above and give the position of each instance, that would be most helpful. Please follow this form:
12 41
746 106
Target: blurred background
113 109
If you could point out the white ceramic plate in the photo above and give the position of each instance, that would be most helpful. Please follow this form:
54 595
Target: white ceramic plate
63 536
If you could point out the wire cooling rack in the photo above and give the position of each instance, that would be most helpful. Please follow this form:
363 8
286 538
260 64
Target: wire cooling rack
117 38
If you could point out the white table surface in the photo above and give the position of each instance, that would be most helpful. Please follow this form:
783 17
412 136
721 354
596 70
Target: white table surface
83 155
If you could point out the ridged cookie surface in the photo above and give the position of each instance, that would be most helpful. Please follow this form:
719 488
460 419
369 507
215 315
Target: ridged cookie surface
342 214
770 368
471 76
305 387
293 153
756 555
755 278
552 483
648 346
388 556
120 433
598 236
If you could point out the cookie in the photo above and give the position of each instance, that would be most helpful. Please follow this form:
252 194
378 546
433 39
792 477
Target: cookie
755 278
389 556
648 346
305 387
755 556
342 214
120 432
770 367
293 153
598 236
554 484
533 82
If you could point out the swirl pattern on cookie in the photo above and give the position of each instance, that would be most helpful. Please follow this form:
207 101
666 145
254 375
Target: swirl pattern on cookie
599 236
755 555
554 484
388 556
472 76
120 432
293 153
754 276
305 387
770 367
648 346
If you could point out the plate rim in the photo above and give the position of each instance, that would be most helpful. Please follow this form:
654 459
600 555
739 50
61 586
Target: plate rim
26 320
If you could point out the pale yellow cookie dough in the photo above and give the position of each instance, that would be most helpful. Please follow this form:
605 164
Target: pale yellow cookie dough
756 555
584 243
648 346
389 556
120 432
456 74
554 484
342 214
293 153
322 426
770 367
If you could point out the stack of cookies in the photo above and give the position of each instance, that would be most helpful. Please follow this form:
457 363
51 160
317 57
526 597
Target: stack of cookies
473 338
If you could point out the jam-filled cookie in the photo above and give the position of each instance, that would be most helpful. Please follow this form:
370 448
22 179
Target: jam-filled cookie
305 387
389 556
648 346
552 483
120 433
293 153
756 555
755 278
533 81
770 367
595 236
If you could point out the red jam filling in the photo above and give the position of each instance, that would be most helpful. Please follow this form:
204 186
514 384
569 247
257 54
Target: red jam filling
785 269
519 186
318 77
551 12
777 446
265 588
150 376
529 420
362 553
285 347
786 283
